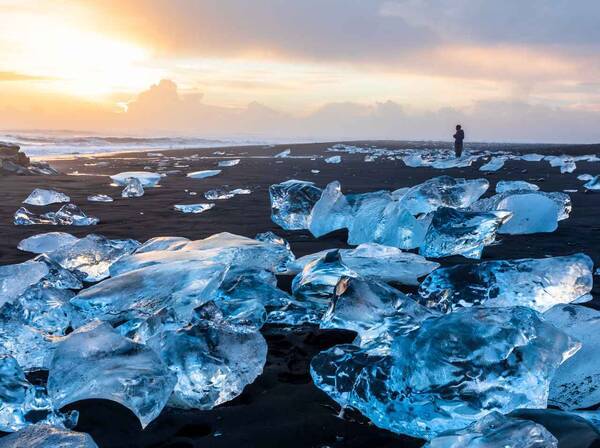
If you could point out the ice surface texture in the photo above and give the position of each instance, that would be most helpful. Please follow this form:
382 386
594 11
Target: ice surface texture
47 242
39 196
46 436
133 188
292 202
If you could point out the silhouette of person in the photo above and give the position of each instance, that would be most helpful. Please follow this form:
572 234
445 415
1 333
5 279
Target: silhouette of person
458 140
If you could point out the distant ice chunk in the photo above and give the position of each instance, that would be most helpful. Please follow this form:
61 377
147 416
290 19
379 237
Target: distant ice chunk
39 196
443 191
133 188
46 436
497 430
193 208
331 212
218 194
534 283
593 184
292 202
533 157
203 174
585 177
99 198
146 178
283 154
457 232
333 159
448 372
231 162
93 255
494 164
242 191
46 242
96 362
515 185
576 384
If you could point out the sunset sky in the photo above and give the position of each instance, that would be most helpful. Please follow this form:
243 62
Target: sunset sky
512 70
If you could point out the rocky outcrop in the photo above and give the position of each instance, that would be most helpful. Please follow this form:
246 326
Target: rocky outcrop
13 161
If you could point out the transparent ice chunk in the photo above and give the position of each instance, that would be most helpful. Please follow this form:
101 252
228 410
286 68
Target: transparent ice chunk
146 178
230 162
47 242
504 186
292 202
99 198
331 212
203 174
39 196
47 436
193 208
133 188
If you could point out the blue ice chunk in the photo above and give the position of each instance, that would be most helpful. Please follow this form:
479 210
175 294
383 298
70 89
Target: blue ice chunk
39 196
47 242
47 436
504 186
458 232
203 174
70 215
593 184
534 283
96 362
331 212
146 178
292 202
494 164
509 199
162 243
447 373
193 208
16 278
133 188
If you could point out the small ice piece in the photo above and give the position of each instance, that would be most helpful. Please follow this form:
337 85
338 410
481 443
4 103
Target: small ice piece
16 278
231 162
457 232
568 167
593 184
575 385
333 159
212 361
292 202
39 196
532 157
143 292
133 188
494 164
93 255
515 185
20 401
242 191
203 174
96 362
331 212
70 215
193 208
146 178
534 283
497 430
443 191
283 154
46 242
24 217
450 371
585 177
218 194
46 436
99 198
315 171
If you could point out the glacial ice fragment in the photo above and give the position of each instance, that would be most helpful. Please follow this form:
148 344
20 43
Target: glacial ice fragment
146 178
96 362
218 194
532 157
292 202
494 164
193 208
447 373
494 431
93 255
443 191
273 239
162 243
47 436
230 162
333 159
456 232
69 215
283 154
16 278
133 188
99 198
24 217
331 212
534 283
576 383
593 184
39 196
47 242
515 185
203 174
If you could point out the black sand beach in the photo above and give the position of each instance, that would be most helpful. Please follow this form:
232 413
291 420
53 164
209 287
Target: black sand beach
282 408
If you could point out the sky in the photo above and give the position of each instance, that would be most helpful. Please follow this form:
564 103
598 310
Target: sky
326 69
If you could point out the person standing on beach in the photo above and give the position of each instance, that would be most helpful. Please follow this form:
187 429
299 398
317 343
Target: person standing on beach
458 141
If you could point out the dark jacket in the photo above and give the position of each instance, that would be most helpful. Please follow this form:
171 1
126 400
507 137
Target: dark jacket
459 136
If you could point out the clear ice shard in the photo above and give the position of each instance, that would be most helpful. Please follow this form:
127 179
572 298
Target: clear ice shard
25 217
133 188
203 174
223 248
146 178
442 162
593 184
331 212
67 215
218 194
443 191
448 372
278 242
494 164
47 242
333 159
16 278
283 154
213 362
292 202
515 185
457 232
39 196
509 199
92 256
23 404
495 431
193 208
575 385
47 436
535 283
96 362
143 292
99 198
230 162
162 243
